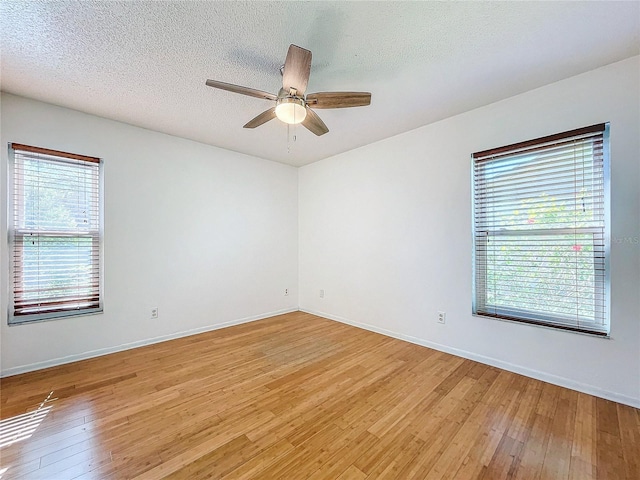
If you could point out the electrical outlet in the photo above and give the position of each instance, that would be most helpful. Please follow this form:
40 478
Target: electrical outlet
442 317
286 292
154 312
321 293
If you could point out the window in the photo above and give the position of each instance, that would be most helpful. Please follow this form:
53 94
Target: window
541 231
55 234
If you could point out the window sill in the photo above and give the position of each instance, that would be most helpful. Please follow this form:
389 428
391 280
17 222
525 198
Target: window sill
60 316
606 336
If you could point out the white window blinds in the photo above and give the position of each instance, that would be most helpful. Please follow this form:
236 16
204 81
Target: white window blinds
540 231
55 234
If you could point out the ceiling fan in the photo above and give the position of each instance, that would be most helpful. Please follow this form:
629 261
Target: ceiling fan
292 106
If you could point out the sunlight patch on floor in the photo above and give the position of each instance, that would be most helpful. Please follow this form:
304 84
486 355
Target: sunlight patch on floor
21 427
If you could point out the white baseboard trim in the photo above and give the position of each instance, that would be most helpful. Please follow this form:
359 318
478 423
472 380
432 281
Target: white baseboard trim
140 343
494 362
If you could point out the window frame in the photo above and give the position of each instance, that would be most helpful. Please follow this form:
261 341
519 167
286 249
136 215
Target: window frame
602 284
13 235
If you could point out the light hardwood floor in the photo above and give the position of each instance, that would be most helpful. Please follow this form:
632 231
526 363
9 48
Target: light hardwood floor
297 396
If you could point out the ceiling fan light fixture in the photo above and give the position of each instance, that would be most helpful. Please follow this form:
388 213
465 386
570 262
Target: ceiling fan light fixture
291 110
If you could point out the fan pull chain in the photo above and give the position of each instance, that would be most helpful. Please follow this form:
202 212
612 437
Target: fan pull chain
289 136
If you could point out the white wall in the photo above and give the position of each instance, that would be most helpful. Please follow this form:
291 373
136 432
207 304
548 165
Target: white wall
207 235
385 230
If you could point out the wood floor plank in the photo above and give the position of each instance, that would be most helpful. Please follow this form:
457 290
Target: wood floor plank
253 467
352 473
629 424
481 443
610 457
532 458
557 459
298 396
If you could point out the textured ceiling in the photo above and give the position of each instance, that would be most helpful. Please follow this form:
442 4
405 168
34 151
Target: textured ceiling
145 63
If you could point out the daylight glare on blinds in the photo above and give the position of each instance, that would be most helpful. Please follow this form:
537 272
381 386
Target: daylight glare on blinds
540 241
55 234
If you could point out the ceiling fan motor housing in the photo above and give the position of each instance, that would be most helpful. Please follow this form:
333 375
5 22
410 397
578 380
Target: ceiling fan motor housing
291 109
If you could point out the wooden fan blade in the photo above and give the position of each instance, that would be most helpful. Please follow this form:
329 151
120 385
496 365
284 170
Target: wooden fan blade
338 99
297 68
264 117
314 124
252 92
